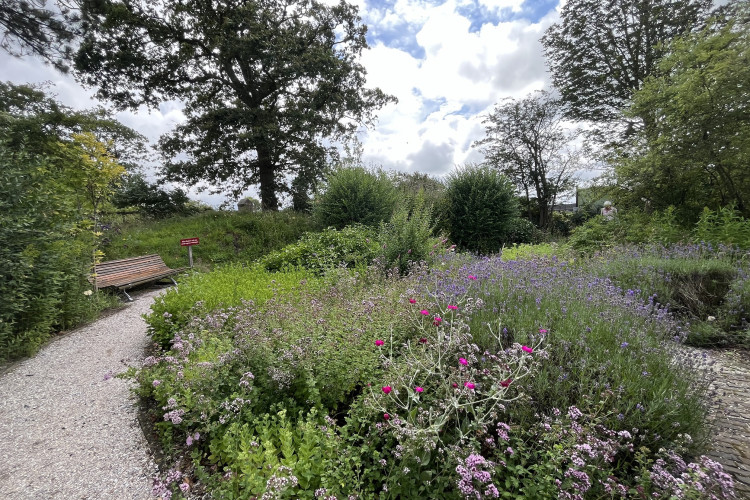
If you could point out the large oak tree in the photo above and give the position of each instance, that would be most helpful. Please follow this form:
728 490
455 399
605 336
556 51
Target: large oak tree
266 83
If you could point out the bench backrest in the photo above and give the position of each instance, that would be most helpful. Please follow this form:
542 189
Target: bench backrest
123 271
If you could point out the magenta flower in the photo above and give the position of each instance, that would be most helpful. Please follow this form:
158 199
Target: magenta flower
387 389
412 301
437 321
425 312
452 307
505 383
472 277
418 389
422 340
386 416
469 385
379 342
542 330
455 385
527 349
463 361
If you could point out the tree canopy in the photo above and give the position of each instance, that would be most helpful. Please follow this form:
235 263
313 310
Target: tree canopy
602 51
35 27
528 142
697 151
266 83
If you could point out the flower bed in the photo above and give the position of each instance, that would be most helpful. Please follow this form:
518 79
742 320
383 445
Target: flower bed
477 378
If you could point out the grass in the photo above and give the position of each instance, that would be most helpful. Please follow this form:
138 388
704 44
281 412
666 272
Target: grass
224 237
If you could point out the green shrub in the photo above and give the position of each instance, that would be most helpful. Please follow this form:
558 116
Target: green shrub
350 247
481 209
407 238
724 226
524 231
355 196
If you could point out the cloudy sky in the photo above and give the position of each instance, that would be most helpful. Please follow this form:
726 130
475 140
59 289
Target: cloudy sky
448 62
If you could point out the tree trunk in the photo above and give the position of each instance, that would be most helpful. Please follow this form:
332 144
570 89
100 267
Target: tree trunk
266 167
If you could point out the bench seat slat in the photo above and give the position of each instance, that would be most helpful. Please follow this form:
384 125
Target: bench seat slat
130 272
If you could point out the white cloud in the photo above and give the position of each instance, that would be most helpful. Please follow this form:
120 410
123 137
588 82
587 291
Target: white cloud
466 71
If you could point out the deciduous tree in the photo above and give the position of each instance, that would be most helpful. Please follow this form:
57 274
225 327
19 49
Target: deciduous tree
601 51
697 151
265 83
528 141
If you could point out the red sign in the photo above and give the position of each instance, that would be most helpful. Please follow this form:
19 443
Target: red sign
189 242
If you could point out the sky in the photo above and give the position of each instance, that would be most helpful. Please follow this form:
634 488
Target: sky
447 61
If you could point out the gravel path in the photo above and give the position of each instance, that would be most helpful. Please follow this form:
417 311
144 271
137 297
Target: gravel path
68 429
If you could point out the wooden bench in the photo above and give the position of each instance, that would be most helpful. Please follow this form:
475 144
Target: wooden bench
127 273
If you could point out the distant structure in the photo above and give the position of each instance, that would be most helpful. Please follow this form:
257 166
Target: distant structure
248 205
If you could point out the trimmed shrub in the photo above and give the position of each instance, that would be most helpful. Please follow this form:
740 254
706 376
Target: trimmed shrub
356 196
482 210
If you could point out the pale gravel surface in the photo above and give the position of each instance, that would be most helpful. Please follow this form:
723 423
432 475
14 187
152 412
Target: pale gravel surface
67 430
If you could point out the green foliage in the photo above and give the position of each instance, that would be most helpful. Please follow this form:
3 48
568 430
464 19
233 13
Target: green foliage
258 108
31 28
352 246
224 237
274 445
628 227
481 209
407 239
585 49
287 393
695 141
149 199
524 231
723 226
227 286
54 182
529 143
355 196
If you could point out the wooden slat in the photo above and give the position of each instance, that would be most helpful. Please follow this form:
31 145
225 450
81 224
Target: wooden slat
127 273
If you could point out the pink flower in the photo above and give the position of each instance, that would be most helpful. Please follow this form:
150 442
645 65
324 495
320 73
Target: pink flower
422 340
463 361
437 320
425 312
542 330
452 308
469 386
505 383
412 301
455 385
527 349
418 389
387 389
472 277
386 416
379 342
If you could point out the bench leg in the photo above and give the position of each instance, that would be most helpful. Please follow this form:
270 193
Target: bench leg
173 281
130 299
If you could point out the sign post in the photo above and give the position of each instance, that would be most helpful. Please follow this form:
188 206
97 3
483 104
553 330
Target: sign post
189 242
